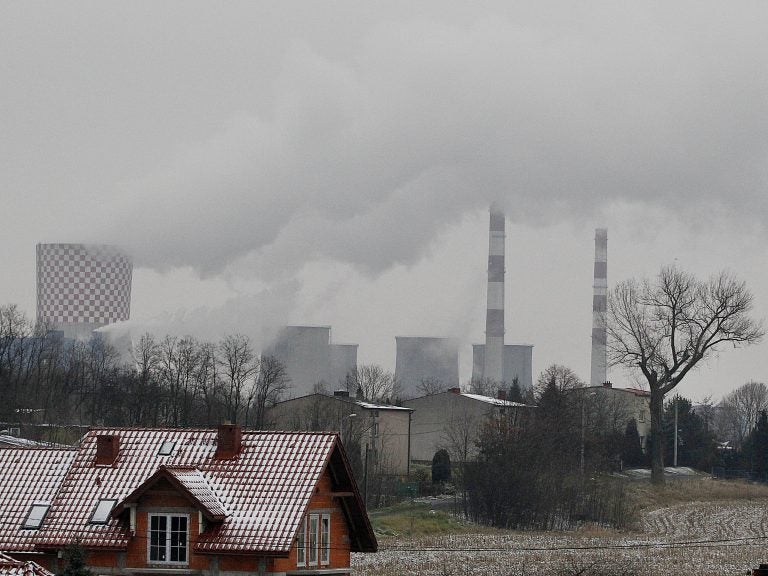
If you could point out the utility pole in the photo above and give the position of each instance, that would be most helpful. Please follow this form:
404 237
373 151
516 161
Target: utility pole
675 452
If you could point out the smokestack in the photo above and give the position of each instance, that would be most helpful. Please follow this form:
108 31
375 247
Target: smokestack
494 319
599 373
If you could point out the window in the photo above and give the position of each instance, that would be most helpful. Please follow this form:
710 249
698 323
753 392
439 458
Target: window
313 543
166 448
35 516
642 415
101 513
301 545
325 539
168 538
313 526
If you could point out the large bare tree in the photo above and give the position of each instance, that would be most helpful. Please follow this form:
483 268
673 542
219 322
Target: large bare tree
665 327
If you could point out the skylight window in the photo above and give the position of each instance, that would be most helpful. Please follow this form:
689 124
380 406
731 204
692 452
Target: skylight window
103 508
166 449
36 515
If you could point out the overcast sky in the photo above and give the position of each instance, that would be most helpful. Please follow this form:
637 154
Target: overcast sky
333 162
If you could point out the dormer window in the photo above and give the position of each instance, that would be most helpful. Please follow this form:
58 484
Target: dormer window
166 449
103 508
35 516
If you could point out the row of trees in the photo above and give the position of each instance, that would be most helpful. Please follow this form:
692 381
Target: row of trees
167 382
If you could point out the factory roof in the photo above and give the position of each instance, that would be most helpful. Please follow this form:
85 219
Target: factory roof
365 404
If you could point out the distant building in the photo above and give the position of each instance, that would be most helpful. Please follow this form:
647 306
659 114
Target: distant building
82 287
422 358
518 364
383 427
615 407
310 358
453 420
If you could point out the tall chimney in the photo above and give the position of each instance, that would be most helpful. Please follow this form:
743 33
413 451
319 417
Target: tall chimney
599 373
494 319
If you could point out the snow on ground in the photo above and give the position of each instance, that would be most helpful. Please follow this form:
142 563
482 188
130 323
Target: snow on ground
710 538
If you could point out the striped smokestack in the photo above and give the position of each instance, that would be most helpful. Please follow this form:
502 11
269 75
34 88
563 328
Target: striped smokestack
599 306
494 320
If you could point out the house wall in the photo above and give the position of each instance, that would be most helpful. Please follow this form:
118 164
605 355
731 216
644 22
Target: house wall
447 420
384 429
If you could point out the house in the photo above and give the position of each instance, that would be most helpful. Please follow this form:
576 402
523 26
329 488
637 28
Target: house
203 502
452 420
11 567
383 428
613 408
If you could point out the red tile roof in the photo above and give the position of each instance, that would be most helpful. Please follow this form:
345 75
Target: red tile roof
264 491
11 567
27 476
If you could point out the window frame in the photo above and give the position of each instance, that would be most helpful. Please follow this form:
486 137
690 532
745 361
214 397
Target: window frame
37 523
168 536
102 501
313 541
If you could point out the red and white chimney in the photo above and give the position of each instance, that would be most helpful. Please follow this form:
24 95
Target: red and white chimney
493 367
599 371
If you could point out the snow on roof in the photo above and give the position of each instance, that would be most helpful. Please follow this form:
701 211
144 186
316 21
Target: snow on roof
12 567
375 406
28 476
16 442
265 489
491 400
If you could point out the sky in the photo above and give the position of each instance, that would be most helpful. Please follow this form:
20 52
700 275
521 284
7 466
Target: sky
332 163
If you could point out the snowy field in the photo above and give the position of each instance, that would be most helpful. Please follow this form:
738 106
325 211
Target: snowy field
696 538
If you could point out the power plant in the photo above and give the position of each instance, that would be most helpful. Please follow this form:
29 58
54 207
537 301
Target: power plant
424 362
598 372
82 287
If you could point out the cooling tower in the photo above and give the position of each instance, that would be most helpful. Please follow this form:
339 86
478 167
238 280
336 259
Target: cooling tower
81 287
422 358
493 366
310 358
599 308
518 364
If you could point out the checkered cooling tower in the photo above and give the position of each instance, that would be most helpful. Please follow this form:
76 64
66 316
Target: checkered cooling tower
82 284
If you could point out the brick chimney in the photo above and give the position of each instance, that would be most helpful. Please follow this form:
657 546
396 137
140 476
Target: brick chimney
228 441
607 384
107 447
502 395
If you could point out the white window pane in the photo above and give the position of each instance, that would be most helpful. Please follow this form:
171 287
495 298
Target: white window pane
101 513
36 514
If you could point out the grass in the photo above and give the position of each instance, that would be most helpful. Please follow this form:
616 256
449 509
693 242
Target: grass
419 519
680 491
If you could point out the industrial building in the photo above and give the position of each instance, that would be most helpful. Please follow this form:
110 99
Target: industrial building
494 360
422 359
310 358
82 287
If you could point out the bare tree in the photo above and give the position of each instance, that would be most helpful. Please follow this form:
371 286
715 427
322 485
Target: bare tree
664 328
484 386
239 365
559 376
371 382
430 386
741 409
272 380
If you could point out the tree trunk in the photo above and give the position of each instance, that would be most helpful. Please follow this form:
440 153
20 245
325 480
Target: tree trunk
657 437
